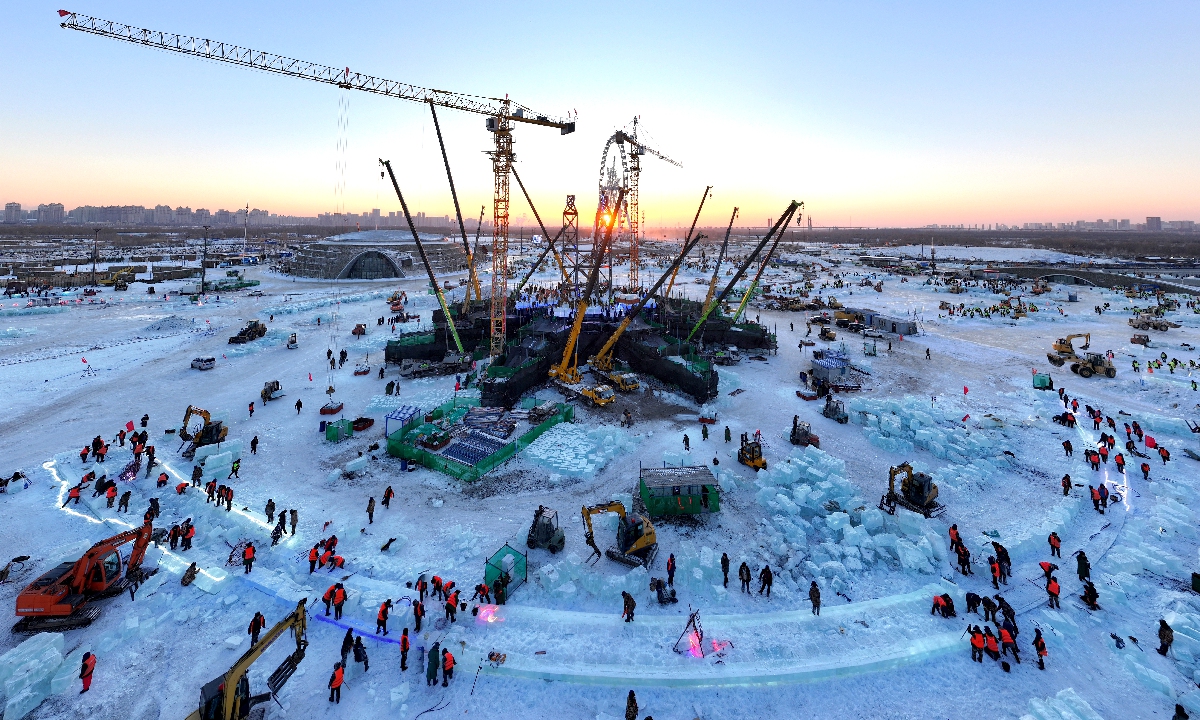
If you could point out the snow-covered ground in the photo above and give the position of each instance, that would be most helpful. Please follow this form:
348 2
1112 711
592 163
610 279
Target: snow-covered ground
967 415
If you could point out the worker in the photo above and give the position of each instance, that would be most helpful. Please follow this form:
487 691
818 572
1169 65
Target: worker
173 536
83 454
233 471
103 451
145 420
1120 461
86 670
432 667
381 617
989 644
181 488
421 587
418 609
254 445
269 510
229 490
483 592
123 503
671 570
251 409
1039 645
1162 453
293 518
335 684
437 587
447 667
744 577
725 568
405 645
257 623
1145 471
371 510
248 557
1066 485
1055 545
1095 498
629 605
189 575
728 435
336 562
327 598
1090 596
1048 569
939 604
339 599
955 538
1166 636
1067 448
111 494
121 436
73 494
298 406
766 579
388 494
189 532
1103 490
687 443
1008 643
313 556
1052 590
976 644
1083 568
360 654
995 567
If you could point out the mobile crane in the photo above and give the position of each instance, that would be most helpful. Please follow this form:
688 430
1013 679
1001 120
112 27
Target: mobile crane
712 284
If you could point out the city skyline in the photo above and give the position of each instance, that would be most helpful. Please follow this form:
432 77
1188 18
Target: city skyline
874 117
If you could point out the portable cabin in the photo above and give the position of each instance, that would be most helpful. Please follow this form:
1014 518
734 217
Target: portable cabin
679 490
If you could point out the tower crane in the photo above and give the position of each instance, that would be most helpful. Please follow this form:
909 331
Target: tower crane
634 169
501 117
566 369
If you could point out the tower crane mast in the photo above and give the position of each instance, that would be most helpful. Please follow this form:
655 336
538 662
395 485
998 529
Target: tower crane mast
501 114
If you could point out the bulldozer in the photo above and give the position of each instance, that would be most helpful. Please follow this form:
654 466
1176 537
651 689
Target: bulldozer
1064 350
802 433
210 433
835 410
750 454
544 531
636 543
253 331
62 599
917 492
272 390
227 697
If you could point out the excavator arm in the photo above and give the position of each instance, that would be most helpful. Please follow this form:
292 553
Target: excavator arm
565 370
187 415
139 536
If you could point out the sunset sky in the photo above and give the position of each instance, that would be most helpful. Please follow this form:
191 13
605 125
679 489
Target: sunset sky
872 113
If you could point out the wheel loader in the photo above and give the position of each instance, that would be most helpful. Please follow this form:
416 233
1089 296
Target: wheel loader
827 333
62 599
637 543
1093 364
917 492
253 330
1150 321
544 531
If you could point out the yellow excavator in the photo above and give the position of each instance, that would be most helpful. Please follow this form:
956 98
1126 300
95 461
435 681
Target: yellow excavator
1064 350
636 542
566 370
210 433
917 492
228 697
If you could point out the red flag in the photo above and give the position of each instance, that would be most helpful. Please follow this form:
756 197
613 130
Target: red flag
456 386
1150 442
129 426
64 13
966 417
964 389
83 359
310 377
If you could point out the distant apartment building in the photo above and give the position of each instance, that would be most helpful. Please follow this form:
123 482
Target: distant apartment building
50 214
1154 224
12 212
1183 225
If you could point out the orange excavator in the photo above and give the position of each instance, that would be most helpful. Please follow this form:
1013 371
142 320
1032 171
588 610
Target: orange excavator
63 598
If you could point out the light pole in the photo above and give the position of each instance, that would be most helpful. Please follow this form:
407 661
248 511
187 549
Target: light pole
203 259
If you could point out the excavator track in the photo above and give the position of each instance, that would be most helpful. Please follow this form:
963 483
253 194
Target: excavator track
81 618
631 560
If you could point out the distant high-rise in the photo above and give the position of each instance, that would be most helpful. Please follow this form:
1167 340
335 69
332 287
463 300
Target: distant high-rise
810 222
12 213
1154 224
50 214
1123 225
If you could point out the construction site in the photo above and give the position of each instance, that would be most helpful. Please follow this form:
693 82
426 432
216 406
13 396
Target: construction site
729 469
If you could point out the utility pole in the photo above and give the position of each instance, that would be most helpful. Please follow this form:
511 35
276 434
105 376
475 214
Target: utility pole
95 254
203 259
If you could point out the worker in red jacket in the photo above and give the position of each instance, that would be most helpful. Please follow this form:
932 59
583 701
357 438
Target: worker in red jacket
85 672
977 644
327 598
72 494
1145 471
447 667
1039 645
418 613
381 617
313 557
248 557
335 683
1055 544
188 533
339 599
257 623
1008 643
1052 590
111 494
405 646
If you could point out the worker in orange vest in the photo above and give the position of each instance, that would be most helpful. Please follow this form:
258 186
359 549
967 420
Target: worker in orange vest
72 494
336 562
335 683
1145 471
312 560
1048 568
1039 645
325 556
387 496
938 606
1120 461
483 592
422 586
447 667
955 538
248 557
995 566
162 480
382 617
188 534
111 494
990 646
339 599
976 644
181 488
418 613
452 606
437 587
1007 643
327 598
1052 590
405 645
85 672
1055 545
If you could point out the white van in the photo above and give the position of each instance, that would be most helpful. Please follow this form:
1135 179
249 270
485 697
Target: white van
204 363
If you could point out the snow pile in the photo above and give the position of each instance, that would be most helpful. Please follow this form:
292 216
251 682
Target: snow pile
27 673
818 527
169 324
575 451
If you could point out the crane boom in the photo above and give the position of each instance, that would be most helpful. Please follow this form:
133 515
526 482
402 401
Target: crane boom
549 242
762 266
779 227
471 277
639 148
691 230
279 64
712 284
